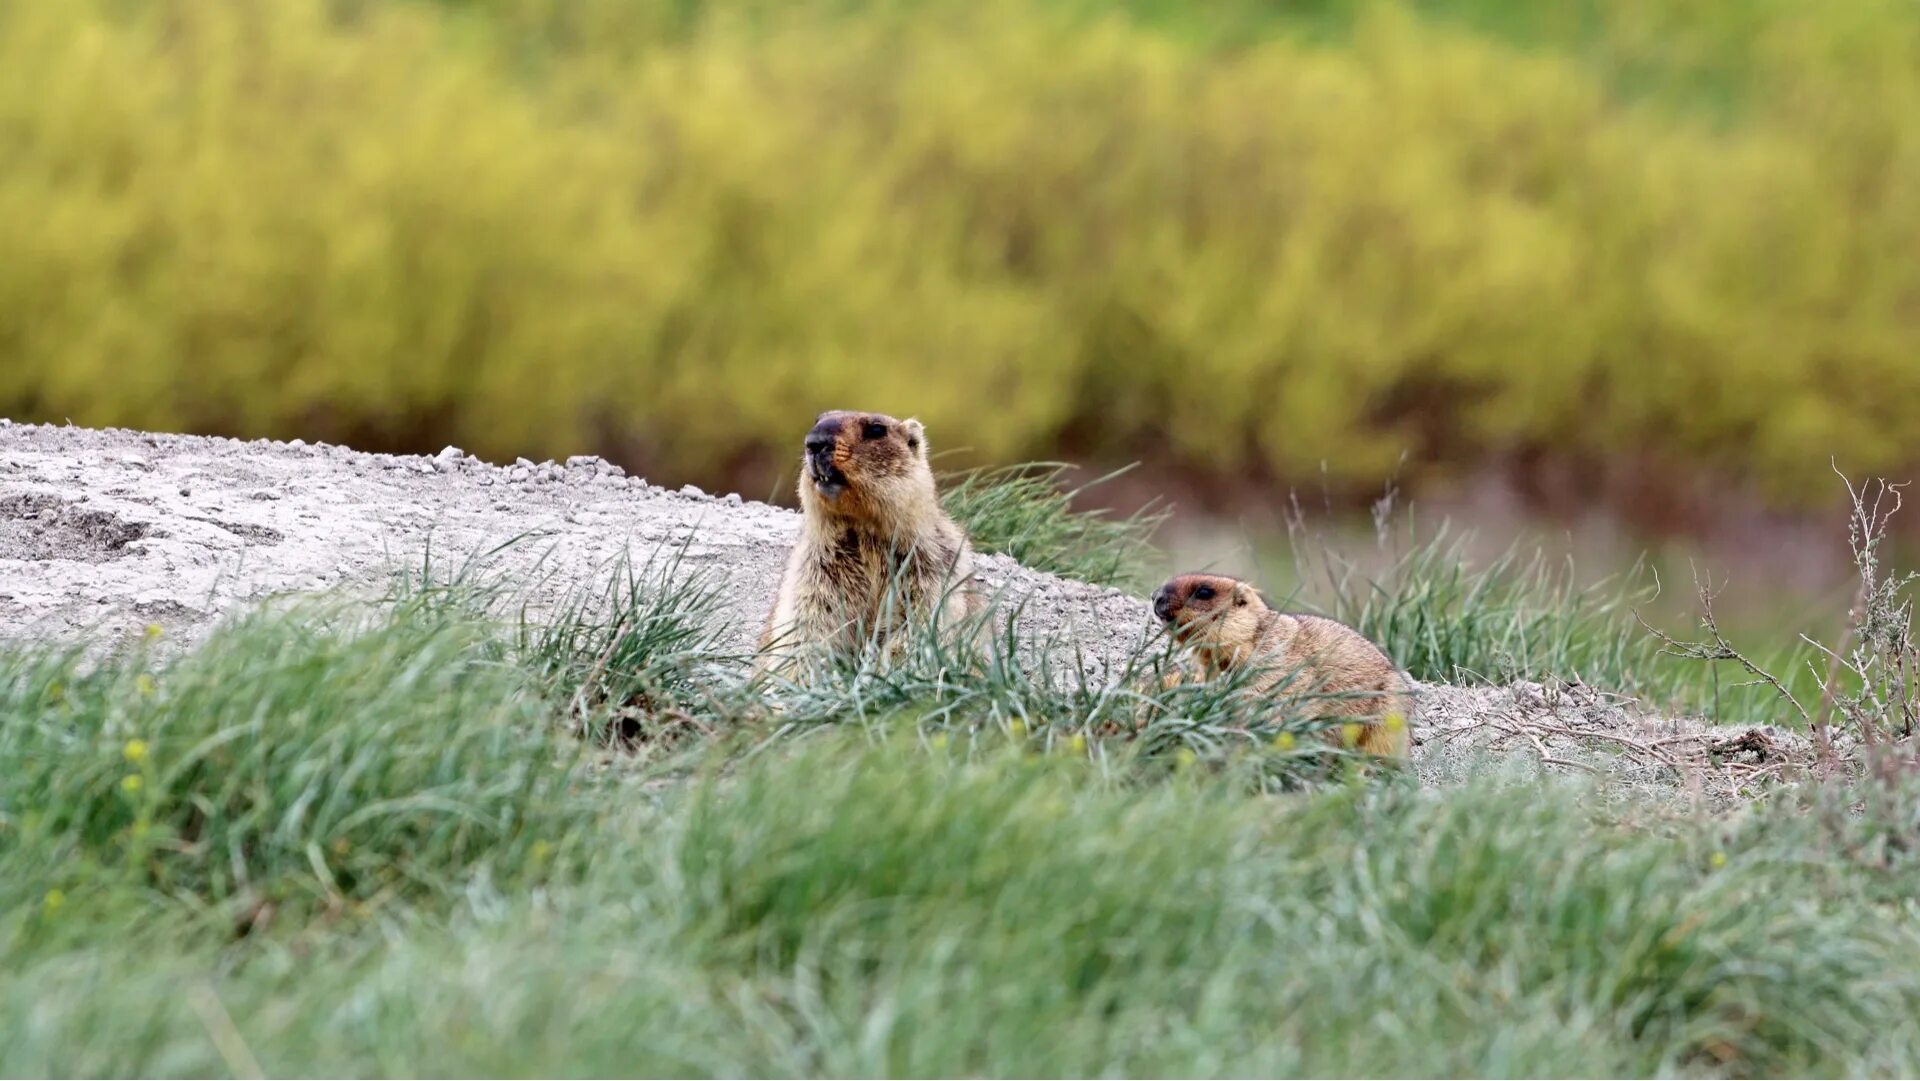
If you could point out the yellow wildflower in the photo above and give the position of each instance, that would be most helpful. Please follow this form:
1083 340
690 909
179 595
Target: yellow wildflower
1718 859
1350 733
1283 741
1017 728
135 750
131 783
154 631
938 741
144 684
1395 722
541 850
1077 743
53 900
1183 758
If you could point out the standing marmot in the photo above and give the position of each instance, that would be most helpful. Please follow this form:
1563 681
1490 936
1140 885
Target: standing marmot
1226 625
875 551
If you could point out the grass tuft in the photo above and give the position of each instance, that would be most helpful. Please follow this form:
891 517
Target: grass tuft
1520 616
637 658
1026 511
313 756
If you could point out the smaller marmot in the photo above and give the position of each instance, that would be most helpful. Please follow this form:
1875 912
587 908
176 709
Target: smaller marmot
1227 625
876 552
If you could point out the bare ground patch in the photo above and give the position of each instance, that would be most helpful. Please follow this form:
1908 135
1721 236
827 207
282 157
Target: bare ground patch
35 526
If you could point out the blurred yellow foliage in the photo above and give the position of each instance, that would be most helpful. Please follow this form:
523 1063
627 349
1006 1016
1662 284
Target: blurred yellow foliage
394 222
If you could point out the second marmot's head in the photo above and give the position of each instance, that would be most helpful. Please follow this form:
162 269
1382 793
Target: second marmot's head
864 464
1205 609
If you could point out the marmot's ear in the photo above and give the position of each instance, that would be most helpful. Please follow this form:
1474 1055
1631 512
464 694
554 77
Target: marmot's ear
916 435
1243 595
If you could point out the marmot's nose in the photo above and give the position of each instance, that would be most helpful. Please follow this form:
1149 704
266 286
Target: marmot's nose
1163 603
819 444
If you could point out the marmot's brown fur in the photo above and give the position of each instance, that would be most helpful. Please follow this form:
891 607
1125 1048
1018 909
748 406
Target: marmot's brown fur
876 552
1227 625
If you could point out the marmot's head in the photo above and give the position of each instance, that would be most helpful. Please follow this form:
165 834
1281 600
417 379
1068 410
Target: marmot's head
864 464
1209 609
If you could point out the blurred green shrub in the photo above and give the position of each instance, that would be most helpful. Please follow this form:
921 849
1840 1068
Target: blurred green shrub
675 231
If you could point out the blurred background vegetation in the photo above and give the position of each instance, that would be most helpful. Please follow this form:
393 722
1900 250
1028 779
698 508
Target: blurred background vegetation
1658 256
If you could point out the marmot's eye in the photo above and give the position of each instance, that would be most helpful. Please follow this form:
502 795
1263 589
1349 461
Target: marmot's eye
1203 593
873 430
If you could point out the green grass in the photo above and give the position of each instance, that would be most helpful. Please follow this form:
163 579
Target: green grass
1445 616
636 658
1026 511
1517 616
306 758
351 840
861 902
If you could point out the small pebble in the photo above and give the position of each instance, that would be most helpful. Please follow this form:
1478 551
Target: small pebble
450 453
733 499
523 463
296 444
693 491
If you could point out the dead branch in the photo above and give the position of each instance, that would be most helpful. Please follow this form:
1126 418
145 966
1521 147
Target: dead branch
1716 647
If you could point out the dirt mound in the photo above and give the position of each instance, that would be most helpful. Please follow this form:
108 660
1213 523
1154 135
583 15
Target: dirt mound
104 532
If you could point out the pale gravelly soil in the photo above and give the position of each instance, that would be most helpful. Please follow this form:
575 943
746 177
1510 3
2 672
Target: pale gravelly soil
103 533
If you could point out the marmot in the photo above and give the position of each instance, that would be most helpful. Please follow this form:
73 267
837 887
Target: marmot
1227 625
876 551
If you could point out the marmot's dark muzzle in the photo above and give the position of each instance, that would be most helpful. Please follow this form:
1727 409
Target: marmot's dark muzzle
827 477
1163 604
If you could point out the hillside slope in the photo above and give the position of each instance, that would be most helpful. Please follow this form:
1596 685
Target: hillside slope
104 533
110 531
